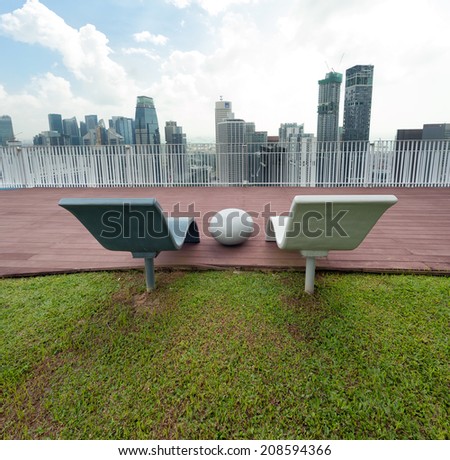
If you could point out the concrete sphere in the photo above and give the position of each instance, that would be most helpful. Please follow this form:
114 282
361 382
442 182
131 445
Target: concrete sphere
231 226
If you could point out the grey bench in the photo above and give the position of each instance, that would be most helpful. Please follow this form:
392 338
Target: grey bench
136 225
317 224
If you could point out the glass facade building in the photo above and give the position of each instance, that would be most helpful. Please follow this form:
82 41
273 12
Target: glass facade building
223 111
6 130
146 122
55 122
91 122
230 148
72 131
358 102
125 127
328 107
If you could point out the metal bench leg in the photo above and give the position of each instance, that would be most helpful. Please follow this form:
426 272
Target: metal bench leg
310 270
150 273
310 274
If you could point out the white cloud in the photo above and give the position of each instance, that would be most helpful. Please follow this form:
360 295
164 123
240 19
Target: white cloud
213 7
85 52
142 52
266 60
44 93
147 37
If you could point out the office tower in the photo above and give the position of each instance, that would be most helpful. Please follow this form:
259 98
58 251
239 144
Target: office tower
358 102
223 112
328 129
254 140
176 153
71 131
91 122
83 129
125 127
146 122
55 125
6 130
174 134
290 135
328 107
290 132
102 134
231 169
55 122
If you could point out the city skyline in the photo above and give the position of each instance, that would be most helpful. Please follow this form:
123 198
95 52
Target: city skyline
265 57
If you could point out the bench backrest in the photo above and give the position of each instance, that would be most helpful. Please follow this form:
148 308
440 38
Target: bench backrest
137 225
333 222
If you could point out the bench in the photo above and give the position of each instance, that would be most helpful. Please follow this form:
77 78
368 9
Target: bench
136 225
317 224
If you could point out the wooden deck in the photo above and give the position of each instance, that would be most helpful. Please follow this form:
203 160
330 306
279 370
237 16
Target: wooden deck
39 237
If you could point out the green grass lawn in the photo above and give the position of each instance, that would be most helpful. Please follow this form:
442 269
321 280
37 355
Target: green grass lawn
225 355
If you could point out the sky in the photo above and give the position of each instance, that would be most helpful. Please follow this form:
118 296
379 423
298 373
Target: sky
265 56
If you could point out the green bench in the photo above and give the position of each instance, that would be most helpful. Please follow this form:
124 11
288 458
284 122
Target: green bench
136 225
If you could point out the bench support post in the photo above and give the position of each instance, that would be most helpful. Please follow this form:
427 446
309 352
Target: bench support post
150 273
149 267
310 274
310 269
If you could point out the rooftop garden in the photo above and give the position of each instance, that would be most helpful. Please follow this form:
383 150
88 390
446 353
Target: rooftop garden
225 355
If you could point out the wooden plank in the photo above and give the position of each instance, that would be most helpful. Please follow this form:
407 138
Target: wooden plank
37 236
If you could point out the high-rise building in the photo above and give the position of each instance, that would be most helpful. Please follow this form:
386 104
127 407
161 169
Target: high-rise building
223 112
146 122
358 102
55 125
91 122
6 130
83 129
290 132
55 122
176 153
71 131
328 129
328 107
231 146
125 127
174 134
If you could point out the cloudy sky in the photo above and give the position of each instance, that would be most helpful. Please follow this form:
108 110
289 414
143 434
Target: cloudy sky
266 56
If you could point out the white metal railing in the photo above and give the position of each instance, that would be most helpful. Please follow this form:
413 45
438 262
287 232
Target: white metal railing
303 163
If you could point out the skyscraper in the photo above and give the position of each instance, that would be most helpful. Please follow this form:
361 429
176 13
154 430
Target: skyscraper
231 145
174 133
146 122
358 102
125 127
72 131
328 107
55 122
176 153
55 125
328 128
91 121
6 130
223 112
